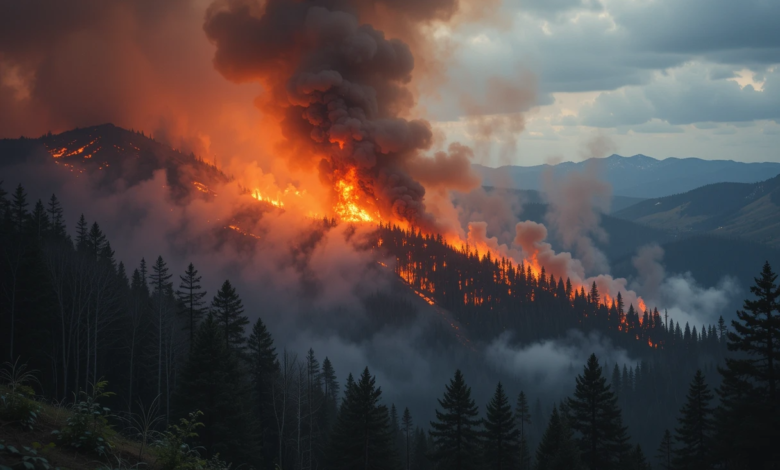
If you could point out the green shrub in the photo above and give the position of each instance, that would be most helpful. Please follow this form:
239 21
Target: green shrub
16 396
87 428
174 452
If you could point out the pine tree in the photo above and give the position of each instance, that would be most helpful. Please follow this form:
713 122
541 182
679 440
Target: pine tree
228 310
211 382
82 233
407 430
420 455
39 222
191 302
751 380
597 418
95 242
19 212
500 435
362 437
455 432
694 433
524 422
665 451
57 218
263 368
162 287
557 449
330 392
636 460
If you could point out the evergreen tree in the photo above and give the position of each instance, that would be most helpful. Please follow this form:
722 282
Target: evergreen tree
420 455
694 433
557 449
455 432
228 310
39 222
407 430
57 218
362 436
19 212
82 234
665 451
162 288
191 296
330 391
96 240
500 434
597 419
263 368
211 382
750 380
637 460
524 422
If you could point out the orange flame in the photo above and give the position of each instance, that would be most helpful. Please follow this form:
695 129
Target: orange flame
348 205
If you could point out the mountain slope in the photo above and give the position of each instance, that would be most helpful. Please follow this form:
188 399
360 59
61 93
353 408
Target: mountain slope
637 176
748 211
111 154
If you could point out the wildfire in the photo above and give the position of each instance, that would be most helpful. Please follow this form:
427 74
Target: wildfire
348 204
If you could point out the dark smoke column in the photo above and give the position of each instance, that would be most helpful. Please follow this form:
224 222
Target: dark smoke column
339 88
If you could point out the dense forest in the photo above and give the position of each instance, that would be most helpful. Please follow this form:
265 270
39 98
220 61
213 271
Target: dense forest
117 345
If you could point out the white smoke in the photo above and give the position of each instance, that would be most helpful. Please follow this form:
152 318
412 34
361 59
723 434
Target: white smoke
681 295
552 364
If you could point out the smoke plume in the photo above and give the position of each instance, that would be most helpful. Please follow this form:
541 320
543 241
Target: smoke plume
685 299
340 90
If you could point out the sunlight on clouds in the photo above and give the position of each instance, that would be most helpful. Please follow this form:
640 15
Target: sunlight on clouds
747 77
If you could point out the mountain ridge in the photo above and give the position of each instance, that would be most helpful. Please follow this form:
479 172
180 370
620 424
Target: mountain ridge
750 211
637 176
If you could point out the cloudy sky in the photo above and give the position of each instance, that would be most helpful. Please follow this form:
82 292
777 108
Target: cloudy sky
666 78
535 81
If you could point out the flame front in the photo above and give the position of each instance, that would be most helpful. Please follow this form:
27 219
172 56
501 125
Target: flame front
348 205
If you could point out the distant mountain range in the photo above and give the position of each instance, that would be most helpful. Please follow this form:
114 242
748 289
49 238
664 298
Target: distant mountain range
639 176
743 210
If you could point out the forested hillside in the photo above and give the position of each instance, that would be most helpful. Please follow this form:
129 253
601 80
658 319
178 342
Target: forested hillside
149 339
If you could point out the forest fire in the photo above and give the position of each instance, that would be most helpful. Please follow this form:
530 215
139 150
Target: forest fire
348 205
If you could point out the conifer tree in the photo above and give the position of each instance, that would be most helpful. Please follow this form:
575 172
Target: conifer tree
96 240
557 449
751 380
211 382
82 233
500 435
407 430
330 392
19 212
57 219
39 220
637 460
596 417
362 436
665 451
191 302
228 310
263 368
524 421
420 455
694 433
456 429
161 287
